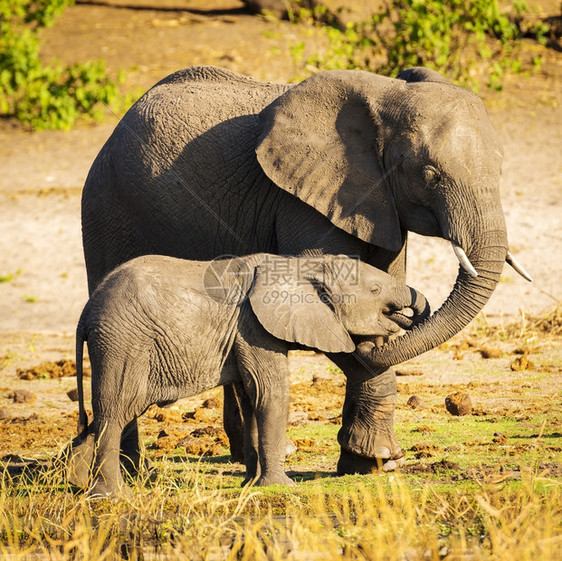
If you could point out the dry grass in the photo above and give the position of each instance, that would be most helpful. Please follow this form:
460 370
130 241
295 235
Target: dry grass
190 516
545 325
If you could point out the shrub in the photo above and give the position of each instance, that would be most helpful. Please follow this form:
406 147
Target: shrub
460 38
45 97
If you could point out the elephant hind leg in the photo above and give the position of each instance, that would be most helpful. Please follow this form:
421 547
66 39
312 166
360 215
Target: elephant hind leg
107 477
132 460
78 458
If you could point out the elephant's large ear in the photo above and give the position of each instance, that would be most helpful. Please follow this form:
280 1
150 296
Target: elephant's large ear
323 141
292 301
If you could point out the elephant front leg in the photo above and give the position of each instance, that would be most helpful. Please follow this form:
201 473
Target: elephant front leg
367 437
271 421
262 360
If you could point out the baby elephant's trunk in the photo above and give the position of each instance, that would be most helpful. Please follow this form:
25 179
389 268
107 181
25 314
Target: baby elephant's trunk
411 310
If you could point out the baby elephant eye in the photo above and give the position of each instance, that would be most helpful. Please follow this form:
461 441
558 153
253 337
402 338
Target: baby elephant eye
431 176
375 289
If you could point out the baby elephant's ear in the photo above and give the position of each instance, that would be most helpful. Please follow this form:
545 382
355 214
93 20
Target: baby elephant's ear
292 303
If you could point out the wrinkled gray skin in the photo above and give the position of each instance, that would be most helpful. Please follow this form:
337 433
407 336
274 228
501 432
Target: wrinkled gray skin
209 163
160 328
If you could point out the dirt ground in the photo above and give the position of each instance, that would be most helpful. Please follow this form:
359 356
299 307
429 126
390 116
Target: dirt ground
42 275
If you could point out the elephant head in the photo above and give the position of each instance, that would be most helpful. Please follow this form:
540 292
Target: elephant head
320 301
381 156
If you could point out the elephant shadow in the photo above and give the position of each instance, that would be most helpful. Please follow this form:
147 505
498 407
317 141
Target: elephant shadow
213 466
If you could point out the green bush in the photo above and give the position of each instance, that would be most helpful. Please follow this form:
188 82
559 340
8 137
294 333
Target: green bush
463 39
45 97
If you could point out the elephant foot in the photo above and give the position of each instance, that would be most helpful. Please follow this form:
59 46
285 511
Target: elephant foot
383 452
78 458
350 463
275 479
103 490
368 442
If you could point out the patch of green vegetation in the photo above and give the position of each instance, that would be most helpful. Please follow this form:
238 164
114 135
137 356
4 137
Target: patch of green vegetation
8 358
379 516
30 299
9 277
468 41
41 96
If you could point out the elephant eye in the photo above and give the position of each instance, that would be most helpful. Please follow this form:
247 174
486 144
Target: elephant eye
375 289
431 176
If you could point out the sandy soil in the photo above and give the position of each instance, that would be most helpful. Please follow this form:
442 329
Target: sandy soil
42 271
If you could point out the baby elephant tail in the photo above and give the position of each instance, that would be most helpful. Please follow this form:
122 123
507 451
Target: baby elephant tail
82 416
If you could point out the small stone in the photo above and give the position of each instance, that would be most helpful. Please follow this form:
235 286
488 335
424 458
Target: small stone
490 352
424 429
166 443
23 396
416 402
168 416
207 416
211 403
500 438
522 363
200 446
72 394
425 450
458 404
4 413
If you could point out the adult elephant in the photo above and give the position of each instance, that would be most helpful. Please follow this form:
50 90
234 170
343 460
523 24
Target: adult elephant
209 162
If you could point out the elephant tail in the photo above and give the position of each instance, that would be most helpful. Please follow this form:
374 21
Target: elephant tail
82 416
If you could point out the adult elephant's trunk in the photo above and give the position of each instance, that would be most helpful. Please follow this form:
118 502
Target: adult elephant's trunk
466 299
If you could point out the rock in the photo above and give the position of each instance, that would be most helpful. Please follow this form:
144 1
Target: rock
522 363
458 404
72 394
168 416
58 369
416 402
4 413
425 450
491 352
200 446
166 443
23 396
424 429
500 438
211 403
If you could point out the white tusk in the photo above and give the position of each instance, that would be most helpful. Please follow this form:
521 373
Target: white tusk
517 266
463 260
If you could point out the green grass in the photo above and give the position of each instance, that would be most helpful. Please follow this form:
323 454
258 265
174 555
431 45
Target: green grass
182 510
487 486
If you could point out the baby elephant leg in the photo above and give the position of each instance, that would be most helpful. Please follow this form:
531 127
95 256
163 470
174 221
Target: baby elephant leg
251 444
78 458
271 420
266 381
108 480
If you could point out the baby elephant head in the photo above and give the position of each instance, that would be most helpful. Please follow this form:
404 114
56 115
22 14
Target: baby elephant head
320 301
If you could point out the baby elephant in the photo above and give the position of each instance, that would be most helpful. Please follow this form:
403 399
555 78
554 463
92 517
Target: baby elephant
160 329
